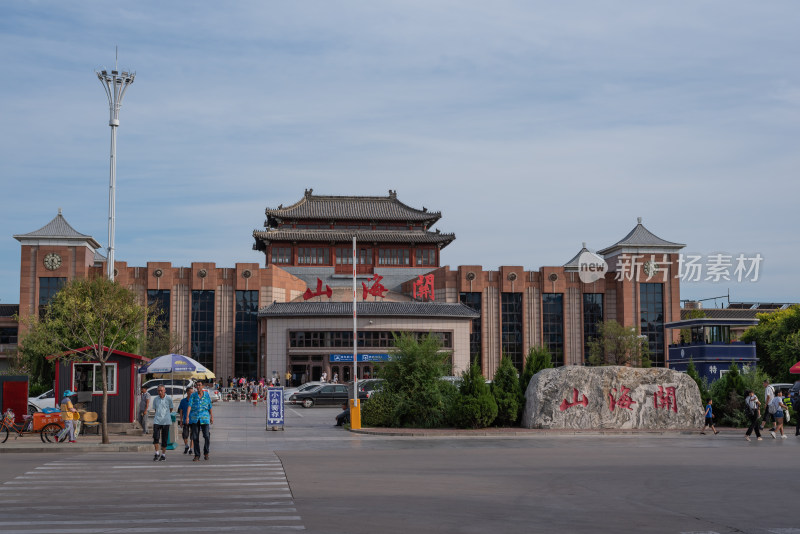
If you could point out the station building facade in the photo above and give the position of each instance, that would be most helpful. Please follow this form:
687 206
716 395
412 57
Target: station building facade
293 310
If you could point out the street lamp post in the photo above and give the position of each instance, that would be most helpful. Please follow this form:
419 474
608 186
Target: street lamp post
115 83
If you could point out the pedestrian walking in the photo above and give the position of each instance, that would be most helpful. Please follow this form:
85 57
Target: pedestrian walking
796 408
69 414
709 418
288 378
778 409
183 420
752 406
144 405
769 394
162 406
200 417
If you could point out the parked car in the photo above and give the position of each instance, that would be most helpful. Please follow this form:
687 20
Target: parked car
214 394
795 391
45 400
183 382
326 394
287 392
174 391
370 386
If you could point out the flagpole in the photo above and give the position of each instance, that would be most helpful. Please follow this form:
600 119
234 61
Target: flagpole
355 331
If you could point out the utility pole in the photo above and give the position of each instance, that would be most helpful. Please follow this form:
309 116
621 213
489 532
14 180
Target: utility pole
115 83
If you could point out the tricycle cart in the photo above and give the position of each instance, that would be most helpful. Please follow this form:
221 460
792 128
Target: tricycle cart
47 425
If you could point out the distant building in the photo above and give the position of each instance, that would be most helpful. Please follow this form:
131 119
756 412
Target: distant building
9 330
294 313
712 342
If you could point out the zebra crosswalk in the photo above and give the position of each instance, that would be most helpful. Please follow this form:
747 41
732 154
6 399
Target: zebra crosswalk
99 493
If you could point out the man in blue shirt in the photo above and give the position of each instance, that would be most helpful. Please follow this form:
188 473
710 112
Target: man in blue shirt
200 417
183 419
162 405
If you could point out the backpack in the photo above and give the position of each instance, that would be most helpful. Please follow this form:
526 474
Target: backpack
749 409
773 407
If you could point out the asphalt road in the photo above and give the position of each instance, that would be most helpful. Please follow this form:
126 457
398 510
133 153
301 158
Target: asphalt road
316 477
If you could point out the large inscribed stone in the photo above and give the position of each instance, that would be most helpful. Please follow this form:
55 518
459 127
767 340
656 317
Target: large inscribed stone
577 397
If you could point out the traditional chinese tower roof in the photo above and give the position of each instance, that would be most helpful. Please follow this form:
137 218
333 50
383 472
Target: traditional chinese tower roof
350 208
408 225
58 230
572 265
640 239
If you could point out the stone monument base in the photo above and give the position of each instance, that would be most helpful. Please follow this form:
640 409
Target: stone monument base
613 397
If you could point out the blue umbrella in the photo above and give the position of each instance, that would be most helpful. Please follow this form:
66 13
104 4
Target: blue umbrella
176 366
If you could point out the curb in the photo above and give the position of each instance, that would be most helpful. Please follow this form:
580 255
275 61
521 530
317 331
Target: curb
57 448
421 433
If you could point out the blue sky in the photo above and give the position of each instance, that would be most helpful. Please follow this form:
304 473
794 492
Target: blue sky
533 126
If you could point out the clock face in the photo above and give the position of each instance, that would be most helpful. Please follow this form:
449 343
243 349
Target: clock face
52 261
649 268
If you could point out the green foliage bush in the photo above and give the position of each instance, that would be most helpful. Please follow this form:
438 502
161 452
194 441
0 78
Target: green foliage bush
538 358
507 394
413 377
379 410
777 338
702 383
729 393
476 407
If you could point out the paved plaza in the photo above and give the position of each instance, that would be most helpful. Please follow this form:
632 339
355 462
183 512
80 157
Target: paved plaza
316 477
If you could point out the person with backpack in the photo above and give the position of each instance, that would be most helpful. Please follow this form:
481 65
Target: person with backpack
769 394
777 408
796 408
752 408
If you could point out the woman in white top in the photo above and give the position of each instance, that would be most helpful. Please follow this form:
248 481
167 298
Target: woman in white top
778 409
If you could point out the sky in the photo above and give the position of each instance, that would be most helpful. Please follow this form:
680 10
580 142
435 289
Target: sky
533 126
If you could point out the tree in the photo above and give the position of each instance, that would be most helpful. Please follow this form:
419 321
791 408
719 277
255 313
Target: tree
618 345
506 392
159 341
702 384
729 392
476 407
777 338
412 378
538 358
96 313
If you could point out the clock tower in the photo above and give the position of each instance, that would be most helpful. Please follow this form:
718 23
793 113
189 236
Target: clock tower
51 256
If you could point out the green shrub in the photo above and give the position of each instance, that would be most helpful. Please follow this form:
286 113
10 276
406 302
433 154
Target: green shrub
538 358
476 407
379 409
506 392
413 377
702 383
729 393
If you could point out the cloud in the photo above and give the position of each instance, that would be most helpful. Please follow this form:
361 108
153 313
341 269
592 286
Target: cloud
533 126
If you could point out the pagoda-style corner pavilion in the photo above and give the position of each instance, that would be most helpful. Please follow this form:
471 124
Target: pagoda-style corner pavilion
317 231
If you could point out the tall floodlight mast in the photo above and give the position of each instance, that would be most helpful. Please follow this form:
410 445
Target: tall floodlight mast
115 83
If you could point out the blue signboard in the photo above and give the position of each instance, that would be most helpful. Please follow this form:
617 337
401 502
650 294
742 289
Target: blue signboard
274 406
339 358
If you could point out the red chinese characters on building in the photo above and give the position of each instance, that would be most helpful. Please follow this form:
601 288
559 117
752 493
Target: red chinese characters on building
423 287
623 400
665 398
319 292
575 394
376 290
